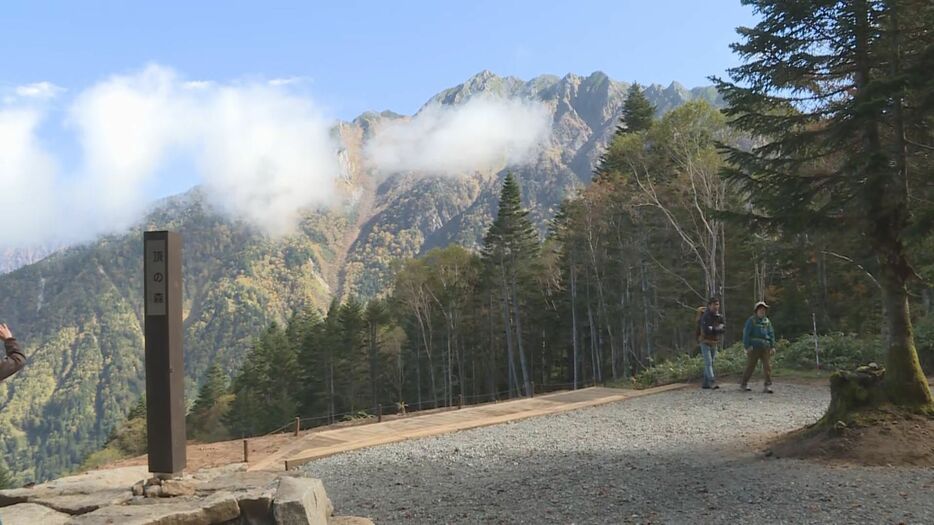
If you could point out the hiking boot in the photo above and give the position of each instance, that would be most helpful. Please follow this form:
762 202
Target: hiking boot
768 390
705 387
745 388
715 386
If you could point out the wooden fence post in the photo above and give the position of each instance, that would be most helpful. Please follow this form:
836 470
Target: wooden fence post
298 425
246 451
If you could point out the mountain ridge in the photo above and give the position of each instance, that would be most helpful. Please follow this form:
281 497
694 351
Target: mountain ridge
78 311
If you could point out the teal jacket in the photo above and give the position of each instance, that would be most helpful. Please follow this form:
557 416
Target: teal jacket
758 333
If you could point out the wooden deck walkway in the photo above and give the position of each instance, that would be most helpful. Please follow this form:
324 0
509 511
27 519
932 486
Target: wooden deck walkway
315 445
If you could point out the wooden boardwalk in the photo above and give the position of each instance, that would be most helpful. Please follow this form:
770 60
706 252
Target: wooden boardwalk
316 445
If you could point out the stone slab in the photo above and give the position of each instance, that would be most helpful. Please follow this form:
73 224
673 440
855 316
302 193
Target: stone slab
87 483
301 501
31 514
219 508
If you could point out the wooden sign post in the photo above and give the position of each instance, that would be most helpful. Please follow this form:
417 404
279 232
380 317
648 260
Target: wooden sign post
165 365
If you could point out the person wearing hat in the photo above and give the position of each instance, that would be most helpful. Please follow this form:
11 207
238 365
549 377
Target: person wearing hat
759 342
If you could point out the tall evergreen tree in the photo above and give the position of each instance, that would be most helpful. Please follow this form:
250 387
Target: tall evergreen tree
638 112
376 315
203 420
264 388
351 360
835 89
509 248
314 361
215 385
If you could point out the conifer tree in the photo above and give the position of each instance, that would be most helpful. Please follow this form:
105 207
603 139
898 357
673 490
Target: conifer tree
376 315
638 112
509 248
215 385
203 420
836 90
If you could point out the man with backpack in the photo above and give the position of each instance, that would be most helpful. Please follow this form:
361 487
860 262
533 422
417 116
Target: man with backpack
14 359
759 342
710 330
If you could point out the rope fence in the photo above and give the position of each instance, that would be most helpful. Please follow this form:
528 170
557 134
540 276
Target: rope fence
401 408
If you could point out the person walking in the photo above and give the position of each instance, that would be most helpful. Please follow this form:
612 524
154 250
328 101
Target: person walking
759 343
711 329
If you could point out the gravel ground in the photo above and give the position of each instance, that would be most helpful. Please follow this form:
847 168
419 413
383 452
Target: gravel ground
687 456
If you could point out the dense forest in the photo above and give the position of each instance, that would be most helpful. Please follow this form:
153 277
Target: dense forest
78 311
611 289
812 190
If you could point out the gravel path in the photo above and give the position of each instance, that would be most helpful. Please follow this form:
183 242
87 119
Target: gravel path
685 456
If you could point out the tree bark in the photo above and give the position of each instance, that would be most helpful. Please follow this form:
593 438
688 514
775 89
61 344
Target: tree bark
887 194
519 346
574 330
905 382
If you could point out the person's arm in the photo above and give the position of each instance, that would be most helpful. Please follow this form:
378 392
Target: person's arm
747 334
771 337
15 359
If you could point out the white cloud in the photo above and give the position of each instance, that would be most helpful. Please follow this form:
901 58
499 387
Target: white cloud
482 134
126 126
27 180
39 90
288 81
262 154
263 151
265 156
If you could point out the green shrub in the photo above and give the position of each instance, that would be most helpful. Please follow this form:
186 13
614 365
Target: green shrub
837 352
684 368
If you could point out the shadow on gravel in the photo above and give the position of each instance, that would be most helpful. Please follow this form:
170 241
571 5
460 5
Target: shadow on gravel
693 485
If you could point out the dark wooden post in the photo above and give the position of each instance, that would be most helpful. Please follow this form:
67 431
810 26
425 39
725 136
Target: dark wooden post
298 425
165 365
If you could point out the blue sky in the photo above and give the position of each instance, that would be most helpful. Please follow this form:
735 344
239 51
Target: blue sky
105 106
358 55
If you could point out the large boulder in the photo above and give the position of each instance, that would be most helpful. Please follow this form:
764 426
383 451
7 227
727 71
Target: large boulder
256 506
107 482
228 495
76 504
219 508
31 514
301 501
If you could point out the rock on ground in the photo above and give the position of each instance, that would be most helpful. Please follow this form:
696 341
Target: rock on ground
301 501
687 456
228 496
31 514
219 508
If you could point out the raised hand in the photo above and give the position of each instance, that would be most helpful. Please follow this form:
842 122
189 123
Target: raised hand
5 332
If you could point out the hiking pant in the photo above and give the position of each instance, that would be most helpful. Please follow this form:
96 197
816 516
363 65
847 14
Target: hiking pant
709 352
752 358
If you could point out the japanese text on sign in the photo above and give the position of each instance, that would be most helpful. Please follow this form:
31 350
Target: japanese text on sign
155 277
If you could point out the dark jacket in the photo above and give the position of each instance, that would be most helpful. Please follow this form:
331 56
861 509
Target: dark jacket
14 360
758 333
710 331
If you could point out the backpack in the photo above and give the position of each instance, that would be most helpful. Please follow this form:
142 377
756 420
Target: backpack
698 314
